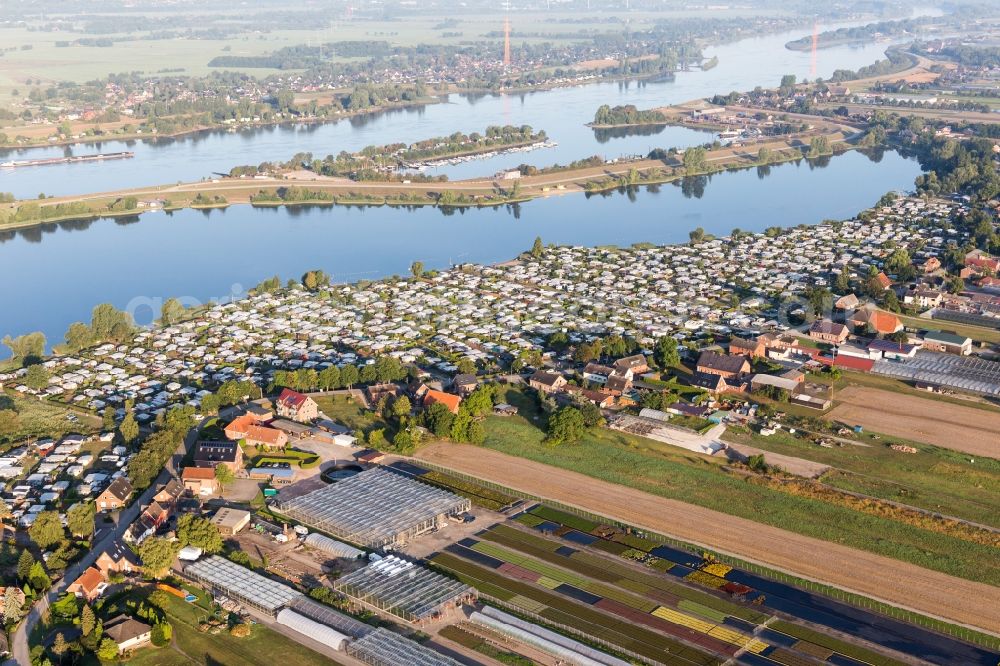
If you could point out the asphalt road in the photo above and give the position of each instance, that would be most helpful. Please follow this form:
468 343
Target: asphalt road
20 649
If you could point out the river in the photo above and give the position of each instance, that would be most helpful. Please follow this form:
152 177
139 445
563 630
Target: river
57 273
562 113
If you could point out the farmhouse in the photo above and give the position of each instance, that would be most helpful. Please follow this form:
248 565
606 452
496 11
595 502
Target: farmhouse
871 319
449 400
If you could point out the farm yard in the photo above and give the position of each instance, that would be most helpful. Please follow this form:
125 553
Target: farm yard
899 583
967 429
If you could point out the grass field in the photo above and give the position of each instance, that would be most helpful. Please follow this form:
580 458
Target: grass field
695 479
40 418
935 479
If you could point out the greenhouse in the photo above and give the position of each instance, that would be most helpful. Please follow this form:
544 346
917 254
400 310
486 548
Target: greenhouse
404 589
333 547
375 508
385 648
314 630
345 624
226 578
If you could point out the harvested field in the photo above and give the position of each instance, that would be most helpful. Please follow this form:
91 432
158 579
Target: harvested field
949 426
892 581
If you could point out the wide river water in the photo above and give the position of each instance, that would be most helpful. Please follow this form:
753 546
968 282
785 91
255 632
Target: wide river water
59 272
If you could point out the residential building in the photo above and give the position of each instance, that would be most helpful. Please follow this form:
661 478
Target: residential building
754 348
547 382
200 481
89 585
127 632
824 330
210 454
636 363
449 400
115 496
464 384
727 367
117 558
870 319
264 437
296 406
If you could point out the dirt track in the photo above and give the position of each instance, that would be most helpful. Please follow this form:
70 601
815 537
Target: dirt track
901 584
943 424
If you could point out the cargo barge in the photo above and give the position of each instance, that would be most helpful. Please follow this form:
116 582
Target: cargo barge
66 160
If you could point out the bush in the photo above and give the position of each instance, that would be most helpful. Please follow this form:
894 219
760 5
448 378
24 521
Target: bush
161 634
240 631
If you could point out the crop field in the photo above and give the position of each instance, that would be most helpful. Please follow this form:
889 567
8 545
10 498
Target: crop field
754 598
965 429
624 493
658 602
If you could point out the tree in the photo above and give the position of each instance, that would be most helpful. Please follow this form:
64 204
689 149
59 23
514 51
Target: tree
38 579
198 532
47 530
439 419
79 336
349 375
24 564
11 609
157 554
128 429
37 377
108 418
665 353
591 414
695 160
10 422
842 284
88 621
108 651
565 426
59 646
537 248
109 323
26 349
161 634
764 155
171 312
787 84
80 519
696 235
401 407
417 268
224 476
5 512
466 366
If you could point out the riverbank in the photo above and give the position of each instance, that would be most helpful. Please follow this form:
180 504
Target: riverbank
477 192
152 136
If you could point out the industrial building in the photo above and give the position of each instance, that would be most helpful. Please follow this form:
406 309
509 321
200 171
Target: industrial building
230 521
385 648
375 508
401 588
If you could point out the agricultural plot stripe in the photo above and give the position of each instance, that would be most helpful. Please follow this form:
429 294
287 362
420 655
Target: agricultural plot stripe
647 585
471 554
549 583
704 611
716 631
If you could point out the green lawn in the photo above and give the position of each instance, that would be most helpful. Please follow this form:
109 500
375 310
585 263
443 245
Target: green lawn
977 333
350 412
934 479
264 646
689 477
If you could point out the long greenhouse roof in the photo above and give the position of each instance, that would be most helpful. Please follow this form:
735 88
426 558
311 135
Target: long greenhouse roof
243 583
402 588
372 508
385 647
